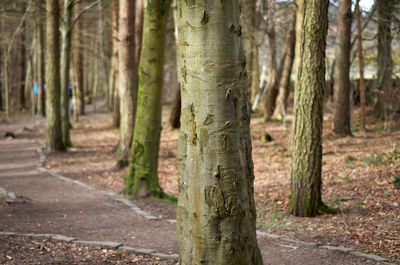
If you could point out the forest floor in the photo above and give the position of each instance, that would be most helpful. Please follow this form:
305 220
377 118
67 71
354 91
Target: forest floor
358 176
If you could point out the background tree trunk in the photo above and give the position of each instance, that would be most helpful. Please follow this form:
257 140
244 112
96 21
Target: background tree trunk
41 60
284 84
66 33
216 212
384 59
361 66
114 54
142 177
127 79
53 111
305 191
22 65
341 118
79 67
175 115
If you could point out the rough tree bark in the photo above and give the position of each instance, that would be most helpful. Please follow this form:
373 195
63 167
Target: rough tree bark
66 33
341 117
53 110
142 177
216 212
127 79
305 191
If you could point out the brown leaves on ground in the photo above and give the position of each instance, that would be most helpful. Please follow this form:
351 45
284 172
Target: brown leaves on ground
23 250
358 175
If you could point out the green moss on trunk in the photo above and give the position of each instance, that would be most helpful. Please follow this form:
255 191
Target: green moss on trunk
142 178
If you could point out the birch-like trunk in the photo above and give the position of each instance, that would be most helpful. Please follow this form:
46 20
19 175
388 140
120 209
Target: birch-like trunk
216 211
305 191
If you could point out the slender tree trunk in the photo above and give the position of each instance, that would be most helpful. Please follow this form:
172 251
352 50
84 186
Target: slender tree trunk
275 77
250 45
102 54
127 76
384 59
216 212
22 65
305 191
284 84
139 31
114 98
142 177
79 69
299 32
41 61
361 67
53 119
341 118
65 70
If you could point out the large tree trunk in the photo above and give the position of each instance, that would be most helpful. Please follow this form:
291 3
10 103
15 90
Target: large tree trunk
65 68
341 118
41 60
53 111
216 212
142 178
284 84
361 66
306 182
384 59
127 79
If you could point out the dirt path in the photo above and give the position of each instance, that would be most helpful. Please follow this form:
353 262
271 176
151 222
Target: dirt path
58 207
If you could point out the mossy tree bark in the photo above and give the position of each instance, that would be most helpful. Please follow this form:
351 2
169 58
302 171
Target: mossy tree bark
66 34
384 58
216 212
127 79
305 191
142 177
53 110
341 118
